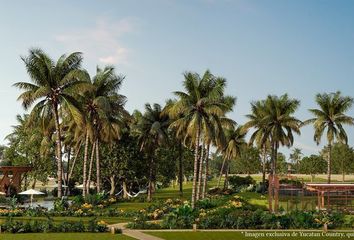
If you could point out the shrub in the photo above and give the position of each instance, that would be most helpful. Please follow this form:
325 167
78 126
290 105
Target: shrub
11 226
238 182
183 217
61 205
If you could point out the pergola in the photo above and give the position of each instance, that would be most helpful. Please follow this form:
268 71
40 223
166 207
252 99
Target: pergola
12 176
330 195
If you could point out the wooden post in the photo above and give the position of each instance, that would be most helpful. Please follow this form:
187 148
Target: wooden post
194 227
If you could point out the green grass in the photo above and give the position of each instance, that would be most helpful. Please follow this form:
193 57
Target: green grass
64 236
233 235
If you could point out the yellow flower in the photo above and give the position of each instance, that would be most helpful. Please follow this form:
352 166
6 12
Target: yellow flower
101 222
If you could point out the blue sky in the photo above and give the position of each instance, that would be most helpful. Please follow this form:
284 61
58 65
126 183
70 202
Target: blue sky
260 47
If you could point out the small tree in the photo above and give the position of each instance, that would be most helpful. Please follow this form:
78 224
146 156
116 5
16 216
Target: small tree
312 165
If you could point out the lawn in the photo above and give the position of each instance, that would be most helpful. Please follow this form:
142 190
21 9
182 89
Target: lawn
295 235
64 236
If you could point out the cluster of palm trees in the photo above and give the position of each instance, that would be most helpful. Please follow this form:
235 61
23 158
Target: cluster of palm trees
81 111
74 108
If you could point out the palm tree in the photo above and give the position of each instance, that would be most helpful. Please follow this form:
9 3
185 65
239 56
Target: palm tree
151 130
54 85
105 111
235 140
296 156
192 112
260 135
280 125
331 116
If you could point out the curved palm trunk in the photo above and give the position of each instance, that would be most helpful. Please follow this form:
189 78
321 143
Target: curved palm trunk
221 171
74 161
206 173
58 145
98 170
196 155
329 162
84 189
88 185
226 181
200 173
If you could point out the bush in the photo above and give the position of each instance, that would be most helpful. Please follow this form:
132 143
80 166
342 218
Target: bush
182 218
11 226
238 182
61 205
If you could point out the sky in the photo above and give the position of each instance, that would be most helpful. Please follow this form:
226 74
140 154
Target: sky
299 47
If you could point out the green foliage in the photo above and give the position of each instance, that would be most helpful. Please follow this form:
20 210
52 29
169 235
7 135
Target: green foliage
248 162
312 165
183 217
238 182
11 226
61 205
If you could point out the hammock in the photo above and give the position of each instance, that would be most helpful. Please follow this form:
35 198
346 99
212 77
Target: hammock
133 195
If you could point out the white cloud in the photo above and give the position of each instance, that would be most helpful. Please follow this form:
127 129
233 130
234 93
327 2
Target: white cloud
101 42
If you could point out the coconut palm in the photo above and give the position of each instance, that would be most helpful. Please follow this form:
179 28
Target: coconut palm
260 136
192 112
235 140
151 129
280 125
296 156
53 86
331 116
104 109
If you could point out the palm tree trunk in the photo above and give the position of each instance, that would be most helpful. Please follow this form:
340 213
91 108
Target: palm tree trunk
68 165
149 197
180 170
84 189
74 161
221 172
196 156
200 173
90 168
271 181
329 162
264 167
58 145
206 173
226 181
98 170
276 192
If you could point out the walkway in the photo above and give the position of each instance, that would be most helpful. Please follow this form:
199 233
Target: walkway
137 234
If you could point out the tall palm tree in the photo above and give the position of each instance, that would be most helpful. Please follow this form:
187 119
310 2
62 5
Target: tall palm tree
192 112
260 135
104 108
331 116
151 130
280 124
235 140
53 85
